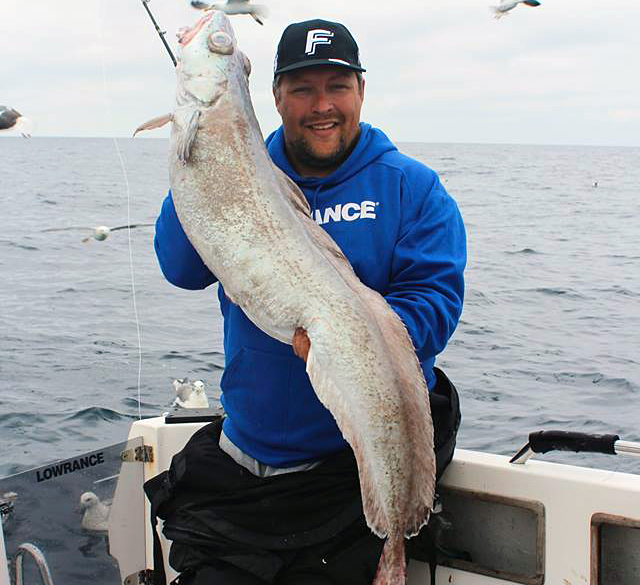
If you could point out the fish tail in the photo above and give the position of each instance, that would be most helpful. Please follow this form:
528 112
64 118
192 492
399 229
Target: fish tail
392 565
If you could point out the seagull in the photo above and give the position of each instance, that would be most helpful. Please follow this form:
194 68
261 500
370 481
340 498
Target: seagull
11 119
7 502
235 7
190 394
502 9
100 232
96 513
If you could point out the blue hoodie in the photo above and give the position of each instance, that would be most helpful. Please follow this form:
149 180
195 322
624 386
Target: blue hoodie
404 237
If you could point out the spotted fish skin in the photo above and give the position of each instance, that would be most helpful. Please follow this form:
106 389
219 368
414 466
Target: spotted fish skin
251 226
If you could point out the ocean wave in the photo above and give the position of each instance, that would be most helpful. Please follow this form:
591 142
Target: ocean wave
19 246
554 291
97 413
523 251
618 290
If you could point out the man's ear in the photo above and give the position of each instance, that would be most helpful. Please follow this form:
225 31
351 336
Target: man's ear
362 89
276 96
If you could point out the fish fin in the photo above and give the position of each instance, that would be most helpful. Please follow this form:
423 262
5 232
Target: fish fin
334 399
186 137
417 407
392 567
154 123
246 63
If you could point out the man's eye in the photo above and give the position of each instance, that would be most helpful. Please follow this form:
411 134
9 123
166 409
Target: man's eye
300 90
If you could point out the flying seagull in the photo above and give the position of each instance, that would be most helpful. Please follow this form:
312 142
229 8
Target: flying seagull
502 9
11 119
257 11
190 394
100 232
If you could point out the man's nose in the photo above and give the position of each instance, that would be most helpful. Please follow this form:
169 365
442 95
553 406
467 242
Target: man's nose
322 102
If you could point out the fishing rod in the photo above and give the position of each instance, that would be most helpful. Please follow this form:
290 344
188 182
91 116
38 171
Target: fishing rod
161 33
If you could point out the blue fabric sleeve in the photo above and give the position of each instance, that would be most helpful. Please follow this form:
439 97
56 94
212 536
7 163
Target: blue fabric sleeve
427 285
178 259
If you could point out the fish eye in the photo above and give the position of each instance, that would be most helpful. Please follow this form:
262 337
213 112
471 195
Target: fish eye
220 42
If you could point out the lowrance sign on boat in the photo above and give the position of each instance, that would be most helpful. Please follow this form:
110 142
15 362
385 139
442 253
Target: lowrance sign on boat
252 227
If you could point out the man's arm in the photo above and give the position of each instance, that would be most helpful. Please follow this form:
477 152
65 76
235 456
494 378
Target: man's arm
426 286
179 261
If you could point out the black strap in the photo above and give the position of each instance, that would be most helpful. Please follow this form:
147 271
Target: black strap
158 491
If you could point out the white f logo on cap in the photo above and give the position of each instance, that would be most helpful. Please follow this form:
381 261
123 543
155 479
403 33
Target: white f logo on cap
315 37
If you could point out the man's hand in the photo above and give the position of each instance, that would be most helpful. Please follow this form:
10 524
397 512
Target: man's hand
301 343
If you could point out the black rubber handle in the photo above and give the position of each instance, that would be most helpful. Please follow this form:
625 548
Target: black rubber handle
545 441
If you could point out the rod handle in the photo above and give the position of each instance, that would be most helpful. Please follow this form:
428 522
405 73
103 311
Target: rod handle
545 441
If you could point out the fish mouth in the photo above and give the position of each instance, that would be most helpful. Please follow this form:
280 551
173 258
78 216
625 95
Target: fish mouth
186 36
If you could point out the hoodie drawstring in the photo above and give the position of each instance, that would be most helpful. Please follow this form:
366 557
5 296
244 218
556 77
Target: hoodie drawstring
314 205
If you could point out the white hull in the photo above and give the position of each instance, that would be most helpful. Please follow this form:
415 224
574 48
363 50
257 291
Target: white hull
568 502
537 523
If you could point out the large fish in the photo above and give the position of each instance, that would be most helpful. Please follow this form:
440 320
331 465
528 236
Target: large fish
251 226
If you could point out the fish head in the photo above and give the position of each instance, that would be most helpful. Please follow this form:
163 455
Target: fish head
208 57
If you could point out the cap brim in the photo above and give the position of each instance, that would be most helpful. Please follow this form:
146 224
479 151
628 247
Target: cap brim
316 62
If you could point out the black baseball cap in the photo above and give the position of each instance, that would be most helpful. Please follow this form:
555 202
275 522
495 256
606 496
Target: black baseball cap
316 42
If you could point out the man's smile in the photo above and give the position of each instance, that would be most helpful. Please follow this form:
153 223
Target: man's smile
324 129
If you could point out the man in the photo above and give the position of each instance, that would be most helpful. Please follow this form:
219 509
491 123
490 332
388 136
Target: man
275 486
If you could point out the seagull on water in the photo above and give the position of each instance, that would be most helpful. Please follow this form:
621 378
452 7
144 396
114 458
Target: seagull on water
100 232
11 119
257 11
7 502
502 9
190 394
96 513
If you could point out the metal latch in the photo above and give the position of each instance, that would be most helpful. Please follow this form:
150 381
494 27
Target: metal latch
143 454
140 578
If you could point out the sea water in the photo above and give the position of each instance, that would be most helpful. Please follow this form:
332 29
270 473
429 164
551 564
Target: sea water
549 337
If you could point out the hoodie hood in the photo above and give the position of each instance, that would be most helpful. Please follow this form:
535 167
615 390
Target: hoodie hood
372 143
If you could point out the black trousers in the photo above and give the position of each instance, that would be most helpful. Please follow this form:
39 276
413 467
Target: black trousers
229 527
351 558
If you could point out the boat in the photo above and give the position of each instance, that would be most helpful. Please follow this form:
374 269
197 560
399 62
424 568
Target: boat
502 520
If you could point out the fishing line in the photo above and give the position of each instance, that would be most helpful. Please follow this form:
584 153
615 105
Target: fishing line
128 190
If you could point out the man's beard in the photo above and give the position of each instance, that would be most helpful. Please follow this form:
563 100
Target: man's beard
302 152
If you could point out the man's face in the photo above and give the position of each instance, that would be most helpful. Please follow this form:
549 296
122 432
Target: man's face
320 110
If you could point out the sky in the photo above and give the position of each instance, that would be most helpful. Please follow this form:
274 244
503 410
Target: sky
565 72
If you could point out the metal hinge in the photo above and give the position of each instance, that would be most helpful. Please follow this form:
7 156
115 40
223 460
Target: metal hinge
140 578
142 454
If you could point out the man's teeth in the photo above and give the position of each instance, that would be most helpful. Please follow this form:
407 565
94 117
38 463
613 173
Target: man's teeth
324 126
